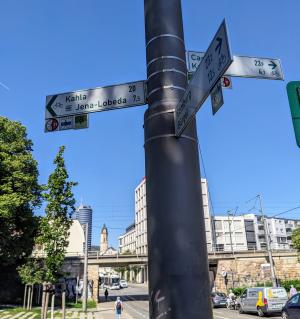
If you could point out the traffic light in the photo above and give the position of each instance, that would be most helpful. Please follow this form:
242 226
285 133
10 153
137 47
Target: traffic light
293 91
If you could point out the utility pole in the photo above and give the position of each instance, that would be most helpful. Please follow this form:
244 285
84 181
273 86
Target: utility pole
231 243
230 231
230 235
85 275
179 284
266 227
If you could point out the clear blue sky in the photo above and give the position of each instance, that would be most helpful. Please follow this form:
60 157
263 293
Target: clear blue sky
249 147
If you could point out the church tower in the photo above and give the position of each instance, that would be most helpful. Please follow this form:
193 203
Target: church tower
103 239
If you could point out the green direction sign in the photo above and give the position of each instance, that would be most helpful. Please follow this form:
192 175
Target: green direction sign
293 91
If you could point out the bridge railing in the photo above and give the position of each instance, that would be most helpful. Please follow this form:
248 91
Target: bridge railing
97 255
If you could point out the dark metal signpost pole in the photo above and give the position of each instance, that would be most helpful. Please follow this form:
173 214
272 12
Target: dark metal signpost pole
178 267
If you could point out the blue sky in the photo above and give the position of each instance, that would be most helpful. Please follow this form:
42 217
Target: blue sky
248 148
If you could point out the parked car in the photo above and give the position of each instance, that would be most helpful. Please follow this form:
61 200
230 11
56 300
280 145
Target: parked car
218 299
123 283
115 286
262 300
291 310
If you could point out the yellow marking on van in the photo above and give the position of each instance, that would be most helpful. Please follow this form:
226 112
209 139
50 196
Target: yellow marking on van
270 293
260 302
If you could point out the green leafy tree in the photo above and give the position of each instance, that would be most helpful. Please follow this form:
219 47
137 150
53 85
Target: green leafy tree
32 271
19 193
54 230
296 239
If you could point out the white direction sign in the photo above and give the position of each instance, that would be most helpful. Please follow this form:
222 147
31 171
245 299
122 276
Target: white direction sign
215 62
242 66
252 67
66 123
96 100
193 59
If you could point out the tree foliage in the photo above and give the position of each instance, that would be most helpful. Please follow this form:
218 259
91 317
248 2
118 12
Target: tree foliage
296 239
32 271
19 193
54 229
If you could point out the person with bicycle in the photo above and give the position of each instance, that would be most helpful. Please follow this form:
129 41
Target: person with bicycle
231 300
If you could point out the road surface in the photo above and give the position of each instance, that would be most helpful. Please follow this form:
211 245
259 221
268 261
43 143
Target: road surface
135 299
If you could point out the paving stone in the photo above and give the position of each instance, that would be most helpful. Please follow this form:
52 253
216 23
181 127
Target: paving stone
75 314
18 315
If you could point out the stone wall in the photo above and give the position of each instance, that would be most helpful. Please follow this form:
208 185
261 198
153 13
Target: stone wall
93 274
247 271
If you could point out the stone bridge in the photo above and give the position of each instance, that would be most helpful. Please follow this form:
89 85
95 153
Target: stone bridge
242 268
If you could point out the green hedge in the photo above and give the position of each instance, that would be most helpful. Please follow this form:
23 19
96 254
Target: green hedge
283 283
238 291
287 284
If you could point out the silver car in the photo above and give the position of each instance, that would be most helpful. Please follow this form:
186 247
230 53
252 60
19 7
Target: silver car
263 300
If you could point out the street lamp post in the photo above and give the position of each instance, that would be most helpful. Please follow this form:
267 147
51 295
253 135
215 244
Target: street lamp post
269 248
179 284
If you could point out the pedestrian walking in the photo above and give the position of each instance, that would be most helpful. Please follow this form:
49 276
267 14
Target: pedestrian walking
106 294
118 307
293 291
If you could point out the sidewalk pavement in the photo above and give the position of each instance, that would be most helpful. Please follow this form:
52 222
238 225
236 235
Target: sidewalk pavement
103 311
106 311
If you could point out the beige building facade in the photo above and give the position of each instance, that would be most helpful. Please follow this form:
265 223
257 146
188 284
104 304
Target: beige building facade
127 242
76 241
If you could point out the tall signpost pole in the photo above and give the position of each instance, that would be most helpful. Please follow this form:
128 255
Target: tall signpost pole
178 268
85 274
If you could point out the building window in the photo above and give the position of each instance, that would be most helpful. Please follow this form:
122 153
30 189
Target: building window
220 247
218 224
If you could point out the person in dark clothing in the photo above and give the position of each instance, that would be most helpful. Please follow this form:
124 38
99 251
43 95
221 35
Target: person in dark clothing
106 294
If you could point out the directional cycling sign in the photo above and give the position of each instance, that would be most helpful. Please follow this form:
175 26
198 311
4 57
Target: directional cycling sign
243 66
193 59
215 62
96 100
254 67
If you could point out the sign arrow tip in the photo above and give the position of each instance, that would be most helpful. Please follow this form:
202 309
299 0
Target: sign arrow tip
273 65
219 45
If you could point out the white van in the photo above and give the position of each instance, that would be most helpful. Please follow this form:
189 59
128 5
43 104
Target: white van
263 300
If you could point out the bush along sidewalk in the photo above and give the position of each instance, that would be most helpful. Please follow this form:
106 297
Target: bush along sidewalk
282 283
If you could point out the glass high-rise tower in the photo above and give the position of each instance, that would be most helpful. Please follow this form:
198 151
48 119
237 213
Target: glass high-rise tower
84 214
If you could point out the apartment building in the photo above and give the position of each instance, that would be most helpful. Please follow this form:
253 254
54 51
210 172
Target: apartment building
223 233
280 232
138 230
248 232
207 215
127 242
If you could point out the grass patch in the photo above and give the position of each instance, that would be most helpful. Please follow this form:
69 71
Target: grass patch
78 305
57 311
16 310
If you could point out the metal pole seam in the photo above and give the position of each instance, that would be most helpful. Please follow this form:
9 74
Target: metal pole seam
165 57
164 35
166 70
173 87
170 135
159 113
